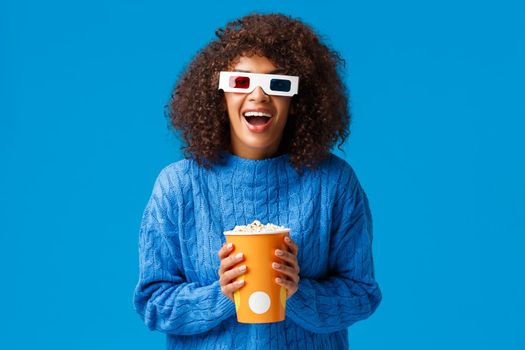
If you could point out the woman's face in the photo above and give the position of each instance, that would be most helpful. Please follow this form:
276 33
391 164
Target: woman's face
259 138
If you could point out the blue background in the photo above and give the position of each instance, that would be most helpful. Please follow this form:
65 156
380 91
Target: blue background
438 104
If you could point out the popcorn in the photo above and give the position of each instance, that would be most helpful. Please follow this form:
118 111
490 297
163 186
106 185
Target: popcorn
256 227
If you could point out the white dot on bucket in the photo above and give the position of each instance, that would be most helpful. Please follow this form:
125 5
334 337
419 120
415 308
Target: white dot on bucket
259 302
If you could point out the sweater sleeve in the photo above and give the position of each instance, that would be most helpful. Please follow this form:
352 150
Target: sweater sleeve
349 293
163 298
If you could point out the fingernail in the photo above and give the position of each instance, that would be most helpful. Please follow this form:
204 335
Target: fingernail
240 282
279 252
238 256
276 265
242 268
278 280
230 245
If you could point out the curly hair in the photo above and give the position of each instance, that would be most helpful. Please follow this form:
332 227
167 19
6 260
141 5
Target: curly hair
318 114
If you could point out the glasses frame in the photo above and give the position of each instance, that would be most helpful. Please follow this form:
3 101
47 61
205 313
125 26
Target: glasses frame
258 79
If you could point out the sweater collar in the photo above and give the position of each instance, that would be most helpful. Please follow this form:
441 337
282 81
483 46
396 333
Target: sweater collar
233 159
239 164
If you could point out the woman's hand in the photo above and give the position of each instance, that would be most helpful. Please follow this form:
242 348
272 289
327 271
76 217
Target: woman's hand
290 270
226 273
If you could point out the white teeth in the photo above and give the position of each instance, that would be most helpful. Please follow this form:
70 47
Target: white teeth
257 114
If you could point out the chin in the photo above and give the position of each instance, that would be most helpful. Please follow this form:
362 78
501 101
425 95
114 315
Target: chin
256 142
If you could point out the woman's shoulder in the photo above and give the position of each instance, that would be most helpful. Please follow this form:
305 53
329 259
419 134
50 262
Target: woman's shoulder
174 175
336 167
179 167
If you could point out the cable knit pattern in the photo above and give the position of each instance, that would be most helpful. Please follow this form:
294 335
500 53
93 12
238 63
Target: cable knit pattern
178 292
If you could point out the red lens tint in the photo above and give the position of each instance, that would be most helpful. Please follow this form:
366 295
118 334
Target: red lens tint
240 82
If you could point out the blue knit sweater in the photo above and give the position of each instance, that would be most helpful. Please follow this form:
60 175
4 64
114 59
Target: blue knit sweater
178 291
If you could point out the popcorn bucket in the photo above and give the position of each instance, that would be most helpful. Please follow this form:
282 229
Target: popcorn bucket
260 299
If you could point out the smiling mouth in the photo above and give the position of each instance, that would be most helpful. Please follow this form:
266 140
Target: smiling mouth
257 118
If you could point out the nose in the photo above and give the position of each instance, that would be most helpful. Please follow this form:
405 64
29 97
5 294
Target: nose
258 95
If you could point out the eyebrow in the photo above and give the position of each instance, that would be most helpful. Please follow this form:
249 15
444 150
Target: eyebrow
275 71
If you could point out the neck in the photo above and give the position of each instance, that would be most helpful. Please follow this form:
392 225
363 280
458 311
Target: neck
255 153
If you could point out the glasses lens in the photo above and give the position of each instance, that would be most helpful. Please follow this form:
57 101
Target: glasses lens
280 85
239 82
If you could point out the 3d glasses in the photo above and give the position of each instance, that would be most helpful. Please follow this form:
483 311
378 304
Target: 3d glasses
272 84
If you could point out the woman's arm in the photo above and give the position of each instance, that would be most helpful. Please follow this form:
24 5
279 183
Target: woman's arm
163 298
350 293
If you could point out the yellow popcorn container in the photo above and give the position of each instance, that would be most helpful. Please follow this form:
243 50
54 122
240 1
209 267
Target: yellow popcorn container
260 299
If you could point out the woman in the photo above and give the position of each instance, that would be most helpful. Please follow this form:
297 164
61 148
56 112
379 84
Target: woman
258 147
